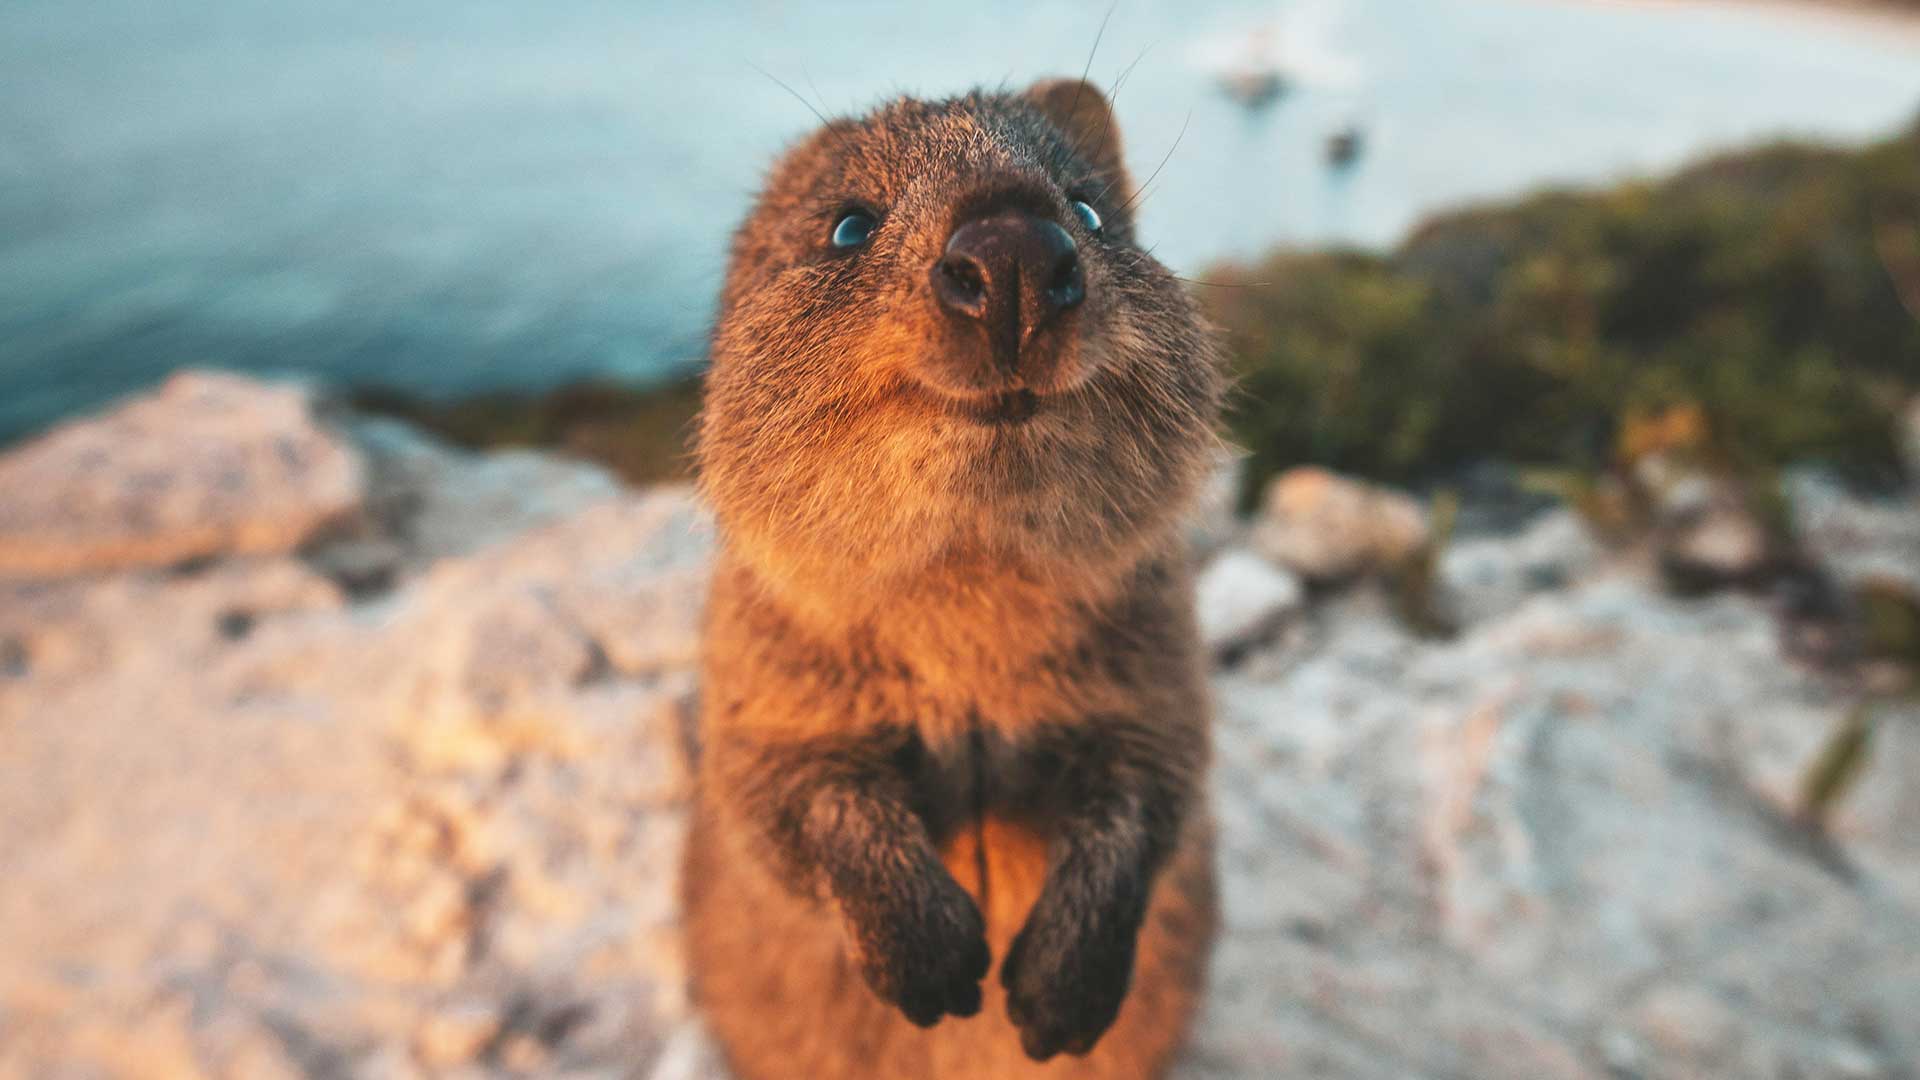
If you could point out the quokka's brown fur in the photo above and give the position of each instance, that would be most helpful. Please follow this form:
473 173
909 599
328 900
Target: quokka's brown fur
954 713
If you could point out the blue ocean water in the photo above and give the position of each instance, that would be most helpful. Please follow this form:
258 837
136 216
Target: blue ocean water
453 195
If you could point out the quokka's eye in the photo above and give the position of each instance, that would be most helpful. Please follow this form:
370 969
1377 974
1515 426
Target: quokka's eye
1088 215
853 228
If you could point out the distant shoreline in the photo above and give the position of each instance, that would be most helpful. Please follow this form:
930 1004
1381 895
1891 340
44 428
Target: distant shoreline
1901 17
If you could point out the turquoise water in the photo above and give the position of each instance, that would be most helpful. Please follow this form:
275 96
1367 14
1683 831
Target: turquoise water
450 195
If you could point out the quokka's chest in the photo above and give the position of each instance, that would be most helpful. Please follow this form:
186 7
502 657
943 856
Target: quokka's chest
979 771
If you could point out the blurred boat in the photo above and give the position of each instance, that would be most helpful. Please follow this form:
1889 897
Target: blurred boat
1345 146
1297 48
1256 76
1253 88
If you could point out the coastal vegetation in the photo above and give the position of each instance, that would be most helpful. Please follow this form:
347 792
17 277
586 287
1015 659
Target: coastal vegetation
1770 296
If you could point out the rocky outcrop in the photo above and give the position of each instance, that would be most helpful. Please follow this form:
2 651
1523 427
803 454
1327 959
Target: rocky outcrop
1242 600
262 829
1565 844
264 824
1856 538
270 816
1484 576
209 464
1327 527
424 500
1705 527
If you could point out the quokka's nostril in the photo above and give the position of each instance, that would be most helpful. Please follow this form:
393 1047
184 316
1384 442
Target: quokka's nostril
960 285
1068 286
963 277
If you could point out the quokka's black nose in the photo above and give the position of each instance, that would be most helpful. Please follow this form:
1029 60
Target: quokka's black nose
1013 273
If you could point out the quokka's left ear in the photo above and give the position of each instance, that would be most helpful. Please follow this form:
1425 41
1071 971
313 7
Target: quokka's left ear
1082 113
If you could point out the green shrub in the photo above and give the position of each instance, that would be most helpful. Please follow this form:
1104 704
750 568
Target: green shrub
1776 290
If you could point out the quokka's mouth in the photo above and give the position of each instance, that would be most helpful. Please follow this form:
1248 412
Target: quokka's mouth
1006 409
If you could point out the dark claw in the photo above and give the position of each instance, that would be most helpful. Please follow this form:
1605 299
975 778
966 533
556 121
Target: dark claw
923 1012
923 948
966 1000
1066 974
1037 1044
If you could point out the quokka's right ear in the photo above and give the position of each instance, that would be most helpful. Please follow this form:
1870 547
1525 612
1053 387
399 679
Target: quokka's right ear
1084 116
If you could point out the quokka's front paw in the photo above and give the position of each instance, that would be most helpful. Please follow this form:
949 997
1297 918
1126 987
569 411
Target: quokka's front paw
1067 972
921 945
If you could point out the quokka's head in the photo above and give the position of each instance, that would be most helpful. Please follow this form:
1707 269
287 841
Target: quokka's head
941 339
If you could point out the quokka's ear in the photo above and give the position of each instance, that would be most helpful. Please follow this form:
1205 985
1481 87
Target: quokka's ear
1082 113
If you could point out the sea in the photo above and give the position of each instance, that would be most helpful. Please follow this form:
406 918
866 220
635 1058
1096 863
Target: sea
445 197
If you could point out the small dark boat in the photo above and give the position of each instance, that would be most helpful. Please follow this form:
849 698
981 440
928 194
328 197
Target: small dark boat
1254 88
1344 146
1256 77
